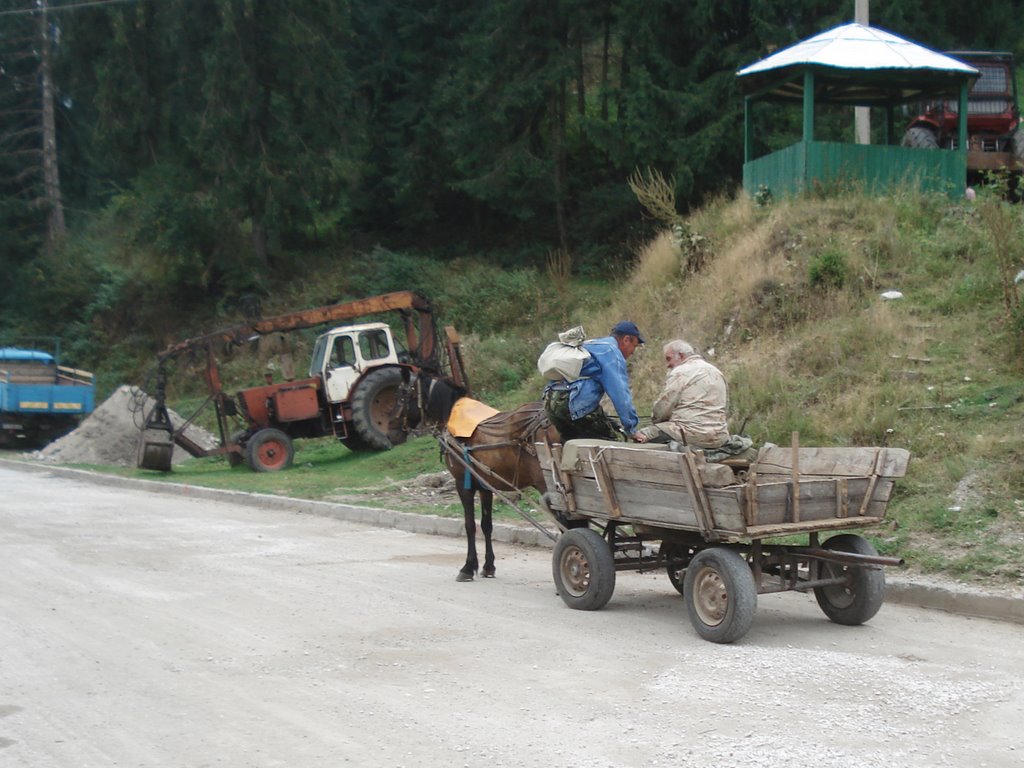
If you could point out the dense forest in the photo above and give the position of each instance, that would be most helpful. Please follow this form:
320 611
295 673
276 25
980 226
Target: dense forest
159 154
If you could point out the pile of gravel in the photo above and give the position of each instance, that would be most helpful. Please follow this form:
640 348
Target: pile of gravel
110 434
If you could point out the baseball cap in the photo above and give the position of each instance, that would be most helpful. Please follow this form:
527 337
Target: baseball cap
628 327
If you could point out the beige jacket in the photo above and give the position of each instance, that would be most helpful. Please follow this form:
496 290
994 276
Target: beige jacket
693 406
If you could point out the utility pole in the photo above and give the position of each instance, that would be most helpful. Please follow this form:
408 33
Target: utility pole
862 115
55 228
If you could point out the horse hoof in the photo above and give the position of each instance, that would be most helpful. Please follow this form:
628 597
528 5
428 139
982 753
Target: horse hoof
464 576
488 573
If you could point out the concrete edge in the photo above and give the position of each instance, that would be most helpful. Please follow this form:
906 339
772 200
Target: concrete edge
963 601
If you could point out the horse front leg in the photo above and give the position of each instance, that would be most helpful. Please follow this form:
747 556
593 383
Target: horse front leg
487 526
468 571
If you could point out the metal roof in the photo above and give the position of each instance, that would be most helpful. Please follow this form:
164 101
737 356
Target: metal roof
858 64
14 353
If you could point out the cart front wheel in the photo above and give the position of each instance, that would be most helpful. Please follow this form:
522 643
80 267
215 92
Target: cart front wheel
720 595
860 596
583 568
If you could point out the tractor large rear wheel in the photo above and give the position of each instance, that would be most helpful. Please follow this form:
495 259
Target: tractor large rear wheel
375 414
919 137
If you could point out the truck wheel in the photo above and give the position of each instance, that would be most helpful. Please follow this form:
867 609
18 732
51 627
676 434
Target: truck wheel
269 450
857 600
584 569
373 409
720 595
919 137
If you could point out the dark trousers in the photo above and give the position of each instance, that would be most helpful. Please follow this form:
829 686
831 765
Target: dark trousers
595 424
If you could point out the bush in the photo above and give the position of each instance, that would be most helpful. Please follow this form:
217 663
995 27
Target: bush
828 270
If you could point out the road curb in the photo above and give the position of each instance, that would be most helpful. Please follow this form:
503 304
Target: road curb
951 598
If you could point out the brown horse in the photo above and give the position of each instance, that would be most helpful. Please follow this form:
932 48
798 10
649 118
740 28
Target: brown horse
501 453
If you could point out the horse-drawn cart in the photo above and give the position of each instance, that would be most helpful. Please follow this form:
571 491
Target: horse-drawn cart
717 529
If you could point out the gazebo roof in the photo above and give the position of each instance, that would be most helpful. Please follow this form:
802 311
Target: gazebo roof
856 64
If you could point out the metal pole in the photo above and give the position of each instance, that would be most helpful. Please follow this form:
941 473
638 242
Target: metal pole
862 115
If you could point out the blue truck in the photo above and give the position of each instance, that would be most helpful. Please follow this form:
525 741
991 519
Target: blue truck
40 399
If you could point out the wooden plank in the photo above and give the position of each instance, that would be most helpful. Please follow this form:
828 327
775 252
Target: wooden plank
786 529
892 462
607 486
842 497
835 462
563 478
795 470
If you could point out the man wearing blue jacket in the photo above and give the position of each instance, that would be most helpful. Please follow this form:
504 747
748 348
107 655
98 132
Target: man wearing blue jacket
574 407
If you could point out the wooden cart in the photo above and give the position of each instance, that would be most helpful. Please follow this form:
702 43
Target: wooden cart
632 507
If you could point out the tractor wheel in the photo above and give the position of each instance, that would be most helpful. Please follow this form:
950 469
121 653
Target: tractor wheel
354 442
919 137
373 409
269 450
1017 145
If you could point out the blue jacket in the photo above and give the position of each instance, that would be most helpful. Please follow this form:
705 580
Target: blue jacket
604 373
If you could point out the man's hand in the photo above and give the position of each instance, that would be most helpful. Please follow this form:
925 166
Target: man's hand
639 437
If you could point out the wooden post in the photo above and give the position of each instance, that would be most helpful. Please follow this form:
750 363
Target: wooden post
796 477
748 130
961 133
808 106
611 501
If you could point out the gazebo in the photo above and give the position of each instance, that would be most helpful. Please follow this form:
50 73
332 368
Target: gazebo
854 65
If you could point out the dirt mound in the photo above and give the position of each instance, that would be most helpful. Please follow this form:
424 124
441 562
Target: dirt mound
110 435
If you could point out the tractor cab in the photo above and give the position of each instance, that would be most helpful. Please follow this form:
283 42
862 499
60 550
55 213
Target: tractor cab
342 355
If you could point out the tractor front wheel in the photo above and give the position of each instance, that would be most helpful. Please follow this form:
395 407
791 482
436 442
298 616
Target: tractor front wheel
269 450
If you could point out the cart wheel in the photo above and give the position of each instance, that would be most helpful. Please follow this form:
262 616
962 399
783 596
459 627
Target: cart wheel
584 569
677 557
720 595
269 450
861 596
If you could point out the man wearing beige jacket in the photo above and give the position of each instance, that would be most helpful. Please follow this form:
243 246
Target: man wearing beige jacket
692 408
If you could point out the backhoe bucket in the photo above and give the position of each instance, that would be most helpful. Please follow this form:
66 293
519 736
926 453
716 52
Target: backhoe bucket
156 443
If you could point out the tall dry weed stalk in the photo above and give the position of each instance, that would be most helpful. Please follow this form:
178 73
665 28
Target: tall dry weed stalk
559 269
658 197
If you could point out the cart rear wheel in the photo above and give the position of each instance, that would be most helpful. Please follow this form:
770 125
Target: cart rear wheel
269 450
677 557
584 569
720 595
860 597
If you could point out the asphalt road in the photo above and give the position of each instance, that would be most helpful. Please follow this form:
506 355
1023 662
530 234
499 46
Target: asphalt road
140 629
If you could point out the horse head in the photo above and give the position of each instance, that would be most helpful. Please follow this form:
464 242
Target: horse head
438 396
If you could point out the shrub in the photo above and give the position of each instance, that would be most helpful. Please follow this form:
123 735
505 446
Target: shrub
828 270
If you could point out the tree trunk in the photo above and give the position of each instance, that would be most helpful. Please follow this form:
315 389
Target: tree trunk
55 227
605 65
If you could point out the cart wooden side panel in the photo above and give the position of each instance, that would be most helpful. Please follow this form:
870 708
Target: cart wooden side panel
834 488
